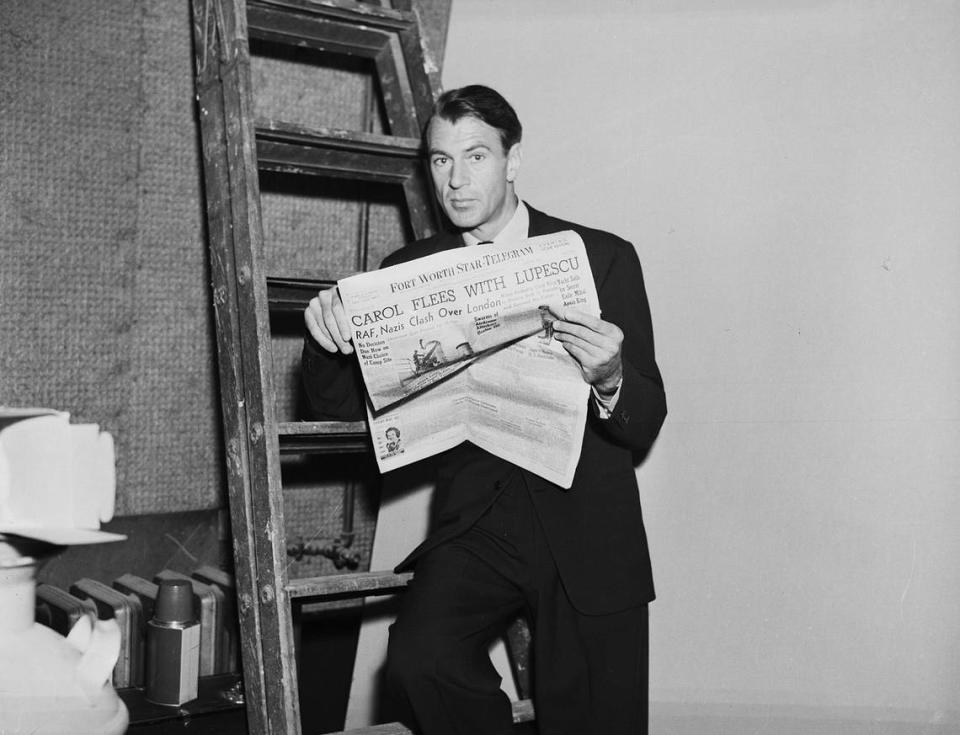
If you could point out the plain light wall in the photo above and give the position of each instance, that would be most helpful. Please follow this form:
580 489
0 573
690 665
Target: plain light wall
790 175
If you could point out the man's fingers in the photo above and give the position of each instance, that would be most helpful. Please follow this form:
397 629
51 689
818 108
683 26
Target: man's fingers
581 323
596 367
562 328
575 316
316 328
580 355
587 353
326 321
608 340
333 329
335 319
594 343
340 315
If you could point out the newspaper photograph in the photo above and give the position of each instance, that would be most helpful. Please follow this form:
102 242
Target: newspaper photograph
459 346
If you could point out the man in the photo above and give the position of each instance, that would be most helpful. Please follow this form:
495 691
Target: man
505 540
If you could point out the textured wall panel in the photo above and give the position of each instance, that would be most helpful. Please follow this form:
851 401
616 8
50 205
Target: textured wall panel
70 110
311 226
177 458
308 87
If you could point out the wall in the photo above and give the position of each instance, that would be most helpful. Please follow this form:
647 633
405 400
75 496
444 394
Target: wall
789 174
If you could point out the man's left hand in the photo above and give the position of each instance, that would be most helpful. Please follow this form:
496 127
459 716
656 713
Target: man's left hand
595 345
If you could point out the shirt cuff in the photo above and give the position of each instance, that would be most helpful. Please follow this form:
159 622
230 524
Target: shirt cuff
606 404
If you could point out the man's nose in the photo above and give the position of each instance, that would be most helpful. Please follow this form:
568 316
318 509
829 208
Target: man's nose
458 175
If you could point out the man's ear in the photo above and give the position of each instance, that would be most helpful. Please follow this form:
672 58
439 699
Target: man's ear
514 156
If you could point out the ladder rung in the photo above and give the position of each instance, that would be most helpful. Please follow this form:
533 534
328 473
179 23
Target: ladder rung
335 33
336 153
293 294
376 16
336 163
391 728
351 585
319 437
522 712
352 140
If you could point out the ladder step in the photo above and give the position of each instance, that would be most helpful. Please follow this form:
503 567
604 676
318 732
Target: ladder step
336 153
348 585
293 294
522 712
323 437
391 728
367 14
352 140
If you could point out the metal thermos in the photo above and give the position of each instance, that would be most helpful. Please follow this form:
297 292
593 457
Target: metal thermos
173 645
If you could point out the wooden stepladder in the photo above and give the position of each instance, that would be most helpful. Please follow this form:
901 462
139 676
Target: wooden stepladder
236 148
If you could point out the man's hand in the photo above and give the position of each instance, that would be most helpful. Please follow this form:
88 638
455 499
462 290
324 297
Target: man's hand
327 322
595 345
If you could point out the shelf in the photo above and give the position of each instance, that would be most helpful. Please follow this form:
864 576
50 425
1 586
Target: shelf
217 709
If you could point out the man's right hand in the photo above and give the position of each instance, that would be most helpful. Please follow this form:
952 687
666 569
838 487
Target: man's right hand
327 322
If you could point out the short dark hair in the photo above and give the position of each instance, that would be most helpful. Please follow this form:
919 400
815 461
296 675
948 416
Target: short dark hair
483 103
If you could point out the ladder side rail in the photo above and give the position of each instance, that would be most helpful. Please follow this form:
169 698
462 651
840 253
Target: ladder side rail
276 616
421 203
395 89
256 488
419 65
222 266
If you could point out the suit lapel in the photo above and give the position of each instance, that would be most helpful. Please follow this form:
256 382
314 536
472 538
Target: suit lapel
544 224
447 241
540 224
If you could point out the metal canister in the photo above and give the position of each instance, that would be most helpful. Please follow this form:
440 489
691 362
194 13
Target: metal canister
173 645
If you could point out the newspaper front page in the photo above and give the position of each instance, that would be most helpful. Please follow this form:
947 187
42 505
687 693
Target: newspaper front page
459 346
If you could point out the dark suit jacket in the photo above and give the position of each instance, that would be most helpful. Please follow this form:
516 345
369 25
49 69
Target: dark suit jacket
594 529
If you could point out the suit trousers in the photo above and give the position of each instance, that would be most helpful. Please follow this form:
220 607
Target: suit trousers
589 671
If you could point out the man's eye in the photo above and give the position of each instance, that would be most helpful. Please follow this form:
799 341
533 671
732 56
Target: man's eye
440 161
478 156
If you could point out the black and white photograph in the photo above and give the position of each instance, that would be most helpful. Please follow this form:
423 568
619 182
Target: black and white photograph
721 498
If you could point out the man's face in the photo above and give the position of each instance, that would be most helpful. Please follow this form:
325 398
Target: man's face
472 174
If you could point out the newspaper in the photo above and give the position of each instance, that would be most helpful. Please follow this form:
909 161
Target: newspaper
459 346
